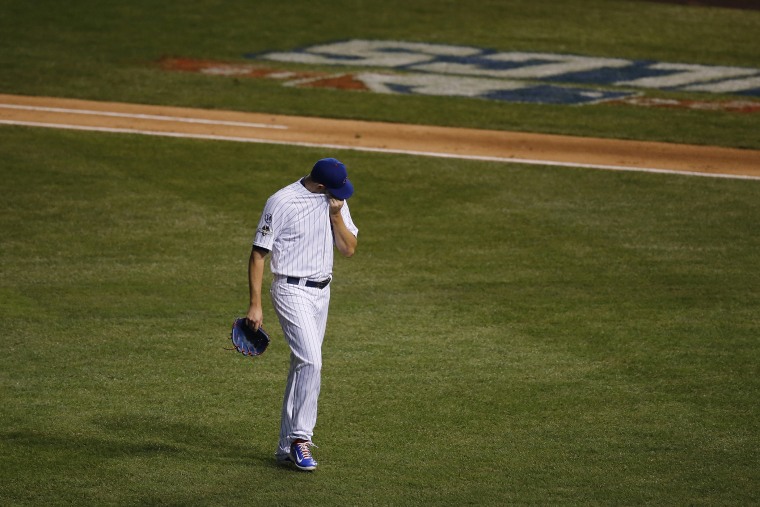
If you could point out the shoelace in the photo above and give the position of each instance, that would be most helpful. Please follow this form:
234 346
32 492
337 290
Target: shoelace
304 447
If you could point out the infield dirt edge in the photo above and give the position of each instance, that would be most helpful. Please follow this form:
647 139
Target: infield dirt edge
444 141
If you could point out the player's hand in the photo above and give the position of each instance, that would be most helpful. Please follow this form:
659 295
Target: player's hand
335 205
254 317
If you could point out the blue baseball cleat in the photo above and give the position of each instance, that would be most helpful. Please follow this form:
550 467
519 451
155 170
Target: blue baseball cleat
300 455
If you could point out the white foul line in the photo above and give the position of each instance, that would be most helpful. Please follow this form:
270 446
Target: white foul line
144 116
483 158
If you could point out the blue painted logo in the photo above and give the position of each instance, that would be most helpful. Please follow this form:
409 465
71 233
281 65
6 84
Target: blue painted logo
545 78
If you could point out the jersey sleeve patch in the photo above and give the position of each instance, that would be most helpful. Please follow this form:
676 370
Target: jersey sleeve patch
265 231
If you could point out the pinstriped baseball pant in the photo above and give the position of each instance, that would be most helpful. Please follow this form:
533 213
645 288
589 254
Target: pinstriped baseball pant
302 312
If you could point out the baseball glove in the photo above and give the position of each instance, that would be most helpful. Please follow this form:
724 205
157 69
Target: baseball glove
247 341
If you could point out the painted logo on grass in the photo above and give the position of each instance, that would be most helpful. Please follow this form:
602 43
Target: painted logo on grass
523 67
395 67
410 83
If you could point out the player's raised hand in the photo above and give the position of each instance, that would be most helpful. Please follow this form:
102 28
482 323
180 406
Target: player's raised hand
335 205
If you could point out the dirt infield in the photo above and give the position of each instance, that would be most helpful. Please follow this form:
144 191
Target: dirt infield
382 137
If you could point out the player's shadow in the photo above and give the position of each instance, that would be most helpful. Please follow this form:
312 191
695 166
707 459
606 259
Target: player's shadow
138 436
194 440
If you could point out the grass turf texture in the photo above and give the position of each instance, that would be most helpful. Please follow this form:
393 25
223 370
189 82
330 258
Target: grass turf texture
109 50
505 334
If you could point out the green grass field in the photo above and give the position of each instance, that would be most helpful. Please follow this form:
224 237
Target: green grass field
505 334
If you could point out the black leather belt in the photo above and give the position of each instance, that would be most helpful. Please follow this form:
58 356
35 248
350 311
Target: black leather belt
293 280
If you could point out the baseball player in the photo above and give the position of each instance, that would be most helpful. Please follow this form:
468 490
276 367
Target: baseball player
301 225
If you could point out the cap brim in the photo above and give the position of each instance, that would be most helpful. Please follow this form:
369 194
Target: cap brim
344 192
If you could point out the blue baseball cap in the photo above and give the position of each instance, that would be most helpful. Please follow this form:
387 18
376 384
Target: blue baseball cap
332 174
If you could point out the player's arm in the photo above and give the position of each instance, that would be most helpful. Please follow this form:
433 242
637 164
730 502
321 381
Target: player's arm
255 315
345 241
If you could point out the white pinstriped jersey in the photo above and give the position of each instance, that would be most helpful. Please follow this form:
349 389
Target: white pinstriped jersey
295 227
